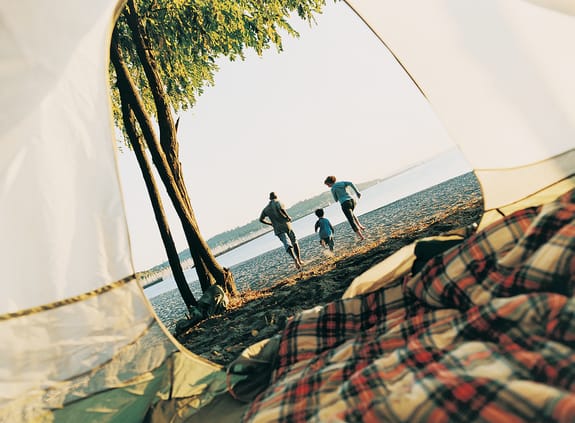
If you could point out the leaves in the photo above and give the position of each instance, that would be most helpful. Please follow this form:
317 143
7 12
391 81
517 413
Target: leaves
187 36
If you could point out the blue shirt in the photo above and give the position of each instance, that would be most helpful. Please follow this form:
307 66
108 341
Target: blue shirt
325 228
340 192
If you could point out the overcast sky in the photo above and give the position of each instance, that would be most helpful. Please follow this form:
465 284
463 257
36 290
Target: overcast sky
333 102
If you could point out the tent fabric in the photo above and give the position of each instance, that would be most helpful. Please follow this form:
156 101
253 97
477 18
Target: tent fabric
538 198
57 139
42 344
563 6
498 74
80 341
66 361
485 332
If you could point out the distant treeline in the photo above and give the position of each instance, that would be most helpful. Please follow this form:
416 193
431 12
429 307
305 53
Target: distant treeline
254 228
297 211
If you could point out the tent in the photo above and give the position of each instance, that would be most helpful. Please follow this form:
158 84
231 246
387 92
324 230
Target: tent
80 341
497 75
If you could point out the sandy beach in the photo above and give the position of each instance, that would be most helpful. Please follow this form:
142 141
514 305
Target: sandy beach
260 313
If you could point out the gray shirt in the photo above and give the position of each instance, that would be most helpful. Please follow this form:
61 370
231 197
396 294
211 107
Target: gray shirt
277 215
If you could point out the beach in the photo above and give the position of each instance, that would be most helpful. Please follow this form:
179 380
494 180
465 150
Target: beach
272 290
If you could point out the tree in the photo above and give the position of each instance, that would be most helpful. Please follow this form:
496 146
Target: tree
170 49
129 120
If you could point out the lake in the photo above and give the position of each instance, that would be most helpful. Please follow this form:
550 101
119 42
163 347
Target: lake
384 208
416 179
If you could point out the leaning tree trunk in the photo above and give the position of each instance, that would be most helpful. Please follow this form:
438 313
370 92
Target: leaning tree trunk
160 161
129 124
169 147
170 246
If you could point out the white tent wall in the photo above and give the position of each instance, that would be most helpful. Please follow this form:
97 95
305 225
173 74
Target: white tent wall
499 75
563 6
80 340
62 219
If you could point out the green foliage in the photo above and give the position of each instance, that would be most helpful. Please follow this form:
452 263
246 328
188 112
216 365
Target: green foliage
187 36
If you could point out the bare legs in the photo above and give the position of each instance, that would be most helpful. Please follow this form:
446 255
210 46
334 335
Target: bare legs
291 247
347 208
294 253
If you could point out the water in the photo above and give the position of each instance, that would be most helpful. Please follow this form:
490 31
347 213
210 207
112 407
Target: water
416 179
261 262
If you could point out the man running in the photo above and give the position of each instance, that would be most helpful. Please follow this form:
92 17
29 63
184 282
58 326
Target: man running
281 222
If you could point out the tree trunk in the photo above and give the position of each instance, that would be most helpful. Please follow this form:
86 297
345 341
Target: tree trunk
205 262
169 245
159 159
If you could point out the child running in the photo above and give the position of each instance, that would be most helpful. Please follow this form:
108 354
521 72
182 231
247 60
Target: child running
326 230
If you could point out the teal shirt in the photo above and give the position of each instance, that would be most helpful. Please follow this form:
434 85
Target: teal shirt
340 192
325 228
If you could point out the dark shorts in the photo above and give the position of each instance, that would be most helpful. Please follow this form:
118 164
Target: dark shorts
328 241
347 207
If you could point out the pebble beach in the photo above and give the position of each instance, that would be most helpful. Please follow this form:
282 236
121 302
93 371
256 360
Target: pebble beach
272 290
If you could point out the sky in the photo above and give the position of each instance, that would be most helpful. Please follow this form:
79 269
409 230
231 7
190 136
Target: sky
334 102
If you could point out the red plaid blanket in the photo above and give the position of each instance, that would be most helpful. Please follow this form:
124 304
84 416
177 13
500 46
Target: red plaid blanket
485 332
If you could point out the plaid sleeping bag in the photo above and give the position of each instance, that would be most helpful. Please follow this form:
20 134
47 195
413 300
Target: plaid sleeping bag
485 332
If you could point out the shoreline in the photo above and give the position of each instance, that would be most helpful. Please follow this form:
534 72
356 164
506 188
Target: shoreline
400 219
260 313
